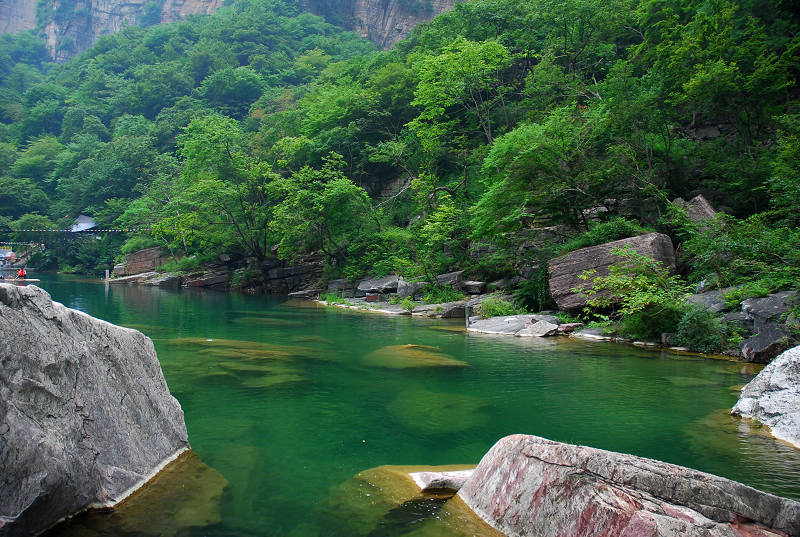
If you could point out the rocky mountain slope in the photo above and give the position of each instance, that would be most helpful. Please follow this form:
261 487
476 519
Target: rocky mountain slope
384 22
72 26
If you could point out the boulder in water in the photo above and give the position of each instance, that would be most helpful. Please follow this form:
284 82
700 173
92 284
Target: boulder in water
410 356
527 485
85 414
773 397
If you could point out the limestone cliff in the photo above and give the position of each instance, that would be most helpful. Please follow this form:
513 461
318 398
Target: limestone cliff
72 26
384 22
17 16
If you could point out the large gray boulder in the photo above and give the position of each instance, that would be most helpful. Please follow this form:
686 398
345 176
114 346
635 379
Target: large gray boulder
519 325
86 416
770 309
565 270
526 485
773 397
409 289
698 209
713 301
387 284
473 287
771 340
445 310
450 278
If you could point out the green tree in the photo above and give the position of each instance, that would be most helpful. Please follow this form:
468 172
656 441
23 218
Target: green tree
466 73
322 210
225 187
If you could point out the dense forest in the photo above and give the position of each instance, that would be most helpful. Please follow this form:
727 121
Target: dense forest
500 134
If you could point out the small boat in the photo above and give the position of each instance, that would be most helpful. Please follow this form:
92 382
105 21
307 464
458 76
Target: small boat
20 280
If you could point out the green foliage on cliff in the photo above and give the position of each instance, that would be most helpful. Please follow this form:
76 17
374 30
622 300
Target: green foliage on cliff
263 130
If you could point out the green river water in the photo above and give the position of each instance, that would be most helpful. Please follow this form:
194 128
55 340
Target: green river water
288 401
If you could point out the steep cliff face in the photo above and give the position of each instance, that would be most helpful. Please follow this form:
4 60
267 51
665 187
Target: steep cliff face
72 26
17 16
384 22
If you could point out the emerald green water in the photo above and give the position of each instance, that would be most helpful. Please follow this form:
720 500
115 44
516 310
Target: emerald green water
304 407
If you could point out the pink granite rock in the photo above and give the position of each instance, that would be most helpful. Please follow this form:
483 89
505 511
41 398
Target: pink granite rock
526 485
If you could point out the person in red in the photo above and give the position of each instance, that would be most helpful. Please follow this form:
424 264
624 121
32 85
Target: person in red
21 274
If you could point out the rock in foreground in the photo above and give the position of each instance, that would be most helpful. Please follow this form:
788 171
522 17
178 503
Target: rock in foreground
86 417
526 485
773 397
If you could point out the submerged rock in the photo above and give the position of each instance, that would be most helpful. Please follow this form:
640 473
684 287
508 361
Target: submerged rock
773 397
267 321
250 364
184 495
85 414
410 356
434 413
376 497
526 485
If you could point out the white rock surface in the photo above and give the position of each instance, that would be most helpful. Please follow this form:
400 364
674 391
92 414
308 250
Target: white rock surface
773 397
539 329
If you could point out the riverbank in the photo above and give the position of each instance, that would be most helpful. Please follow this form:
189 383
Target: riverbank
712 320
520 325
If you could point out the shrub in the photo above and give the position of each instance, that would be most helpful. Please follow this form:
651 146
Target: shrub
408 304
185 264
637 282
649 323
494 306
603 232
757 252
332 298
139 242
645 298
436 294
700 330
534 294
